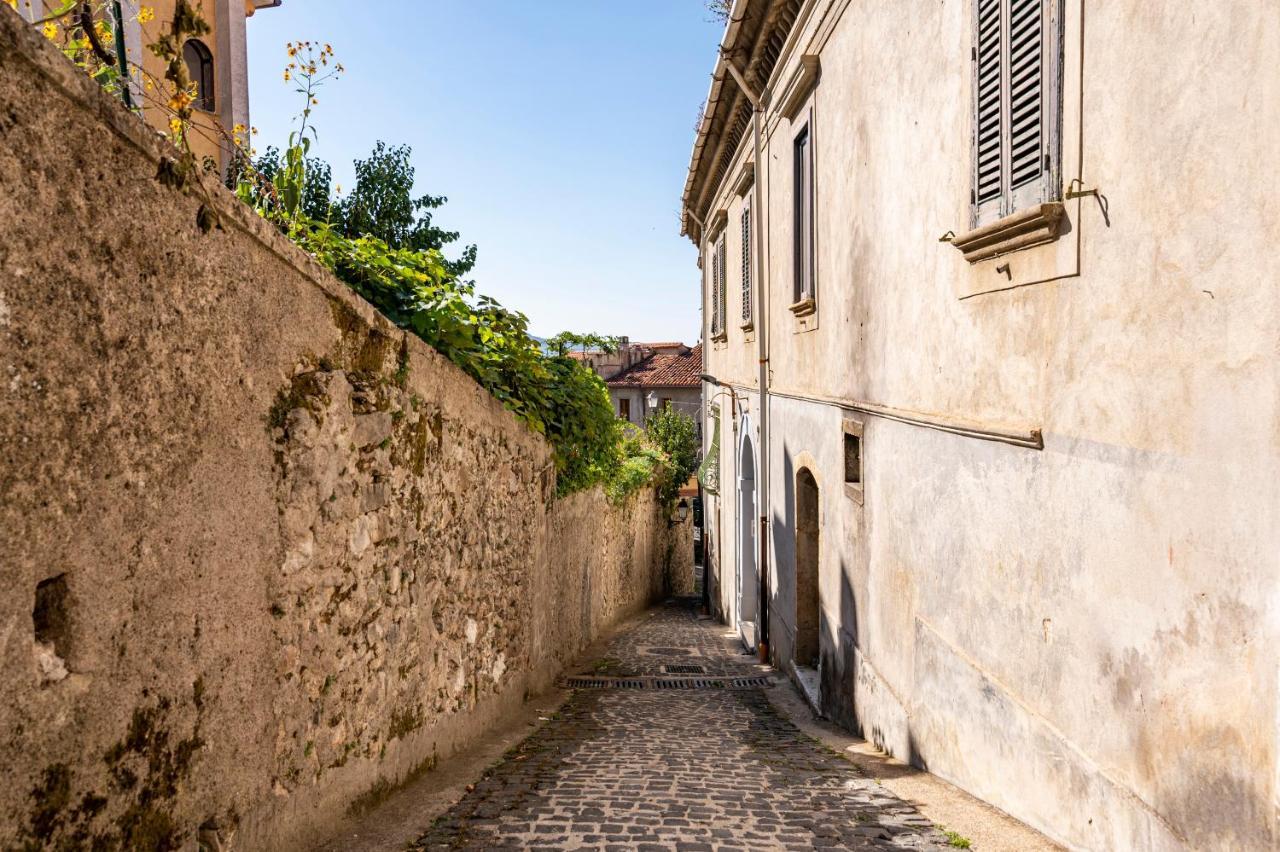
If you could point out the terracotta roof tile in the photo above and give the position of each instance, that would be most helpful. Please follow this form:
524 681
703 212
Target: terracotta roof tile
663 371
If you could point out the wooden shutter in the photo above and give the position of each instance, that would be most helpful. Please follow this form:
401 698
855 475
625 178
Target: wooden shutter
720 288
988 141
1026 94
746 262
714 286
1015 105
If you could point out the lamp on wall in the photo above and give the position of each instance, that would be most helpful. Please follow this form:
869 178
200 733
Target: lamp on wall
682 510
651 400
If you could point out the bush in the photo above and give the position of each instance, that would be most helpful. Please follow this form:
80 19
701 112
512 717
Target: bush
382 242
555 395
676 435
640 463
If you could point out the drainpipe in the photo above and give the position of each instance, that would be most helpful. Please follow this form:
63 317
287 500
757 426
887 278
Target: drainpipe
762 343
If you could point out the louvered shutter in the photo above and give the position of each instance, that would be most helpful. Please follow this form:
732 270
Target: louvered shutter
746 262
720 286
1014 83
715 289
988 144
1026 95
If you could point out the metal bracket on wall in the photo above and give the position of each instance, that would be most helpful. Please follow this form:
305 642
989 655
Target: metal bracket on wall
1076 189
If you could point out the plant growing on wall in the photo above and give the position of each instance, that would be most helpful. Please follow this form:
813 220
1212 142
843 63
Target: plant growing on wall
675 434
381 205
399 267
85 32
641 463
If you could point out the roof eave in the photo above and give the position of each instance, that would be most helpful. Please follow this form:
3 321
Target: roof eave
718 77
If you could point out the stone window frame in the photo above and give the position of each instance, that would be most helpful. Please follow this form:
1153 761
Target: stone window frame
799 106
855 491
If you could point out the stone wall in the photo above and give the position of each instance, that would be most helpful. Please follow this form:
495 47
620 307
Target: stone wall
265 556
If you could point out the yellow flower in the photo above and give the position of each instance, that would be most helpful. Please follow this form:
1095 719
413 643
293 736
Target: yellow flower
50 30
175 126
180 101
287 75
146 15
13 4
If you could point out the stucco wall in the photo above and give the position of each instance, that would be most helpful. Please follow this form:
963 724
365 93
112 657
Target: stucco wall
1084 635
264 555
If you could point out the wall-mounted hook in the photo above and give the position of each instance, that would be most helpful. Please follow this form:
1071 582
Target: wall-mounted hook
949 236
1076 189
1003 269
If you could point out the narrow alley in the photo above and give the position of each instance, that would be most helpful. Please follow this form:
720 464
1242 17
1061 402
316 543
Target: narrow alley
642 764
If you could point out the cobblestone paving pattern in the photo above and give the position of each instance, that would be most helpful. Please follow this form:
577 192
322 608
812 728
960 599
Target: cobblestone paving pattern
651 769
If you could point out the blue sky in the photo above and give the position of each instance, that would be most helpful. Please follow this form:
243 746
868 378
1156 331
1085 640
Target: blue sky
560 130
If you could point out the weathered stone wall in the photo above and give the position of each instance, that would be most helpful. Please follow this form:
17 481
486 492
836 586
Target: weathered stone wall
264 556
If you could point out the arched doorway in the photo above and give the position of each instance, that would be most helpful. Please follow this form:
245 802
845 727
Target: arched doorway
808 598
748 576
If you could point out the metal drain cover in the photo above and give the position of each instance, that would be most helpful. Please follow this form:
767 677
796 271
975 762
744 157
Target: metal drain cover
683 669
666 682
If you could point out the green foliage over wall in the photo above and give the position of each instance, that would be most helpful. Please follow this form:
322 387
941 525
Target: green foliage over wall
676 435
382 242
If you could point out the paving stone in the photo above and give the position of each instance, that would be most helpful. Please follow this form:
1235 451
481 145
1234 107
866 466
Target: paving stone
694 769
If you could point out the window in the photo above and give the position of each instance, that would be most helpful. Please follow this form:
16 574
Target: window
1016 106
717 287
746 262
664 403
200 69
624 409
853 459
802 195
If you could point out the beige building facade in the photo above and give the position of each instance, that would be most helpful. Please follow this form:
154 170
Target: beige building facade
217 63
1008 504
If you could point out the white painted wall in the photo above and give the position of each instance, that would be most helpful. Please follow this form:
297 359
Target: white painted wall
1084 635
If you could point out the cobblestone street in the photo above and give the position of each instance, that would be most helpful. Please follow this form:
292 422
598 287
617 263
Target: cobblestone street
662 768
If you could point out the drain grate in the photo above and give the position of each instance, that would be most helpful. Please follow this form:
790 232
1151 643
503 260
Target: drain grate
666 683
684 669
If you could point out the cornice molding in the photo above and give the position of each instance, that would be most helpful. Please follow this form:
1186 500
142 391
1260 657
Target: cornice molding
802 81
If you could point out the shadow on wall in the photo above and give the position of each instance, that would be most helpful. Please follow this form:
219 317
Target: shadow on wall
783 539
840 657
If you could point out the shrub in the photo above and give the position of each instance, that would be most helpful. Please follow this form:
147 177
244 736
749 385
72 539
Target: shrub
675 434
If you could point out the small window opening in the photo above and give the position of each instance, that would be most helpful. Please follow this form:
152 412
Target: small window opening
852 459
51 621
200 69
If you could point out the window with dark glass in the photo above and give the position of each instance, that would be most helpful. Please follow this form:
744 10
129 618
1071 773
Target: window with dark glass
200 69
802 195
